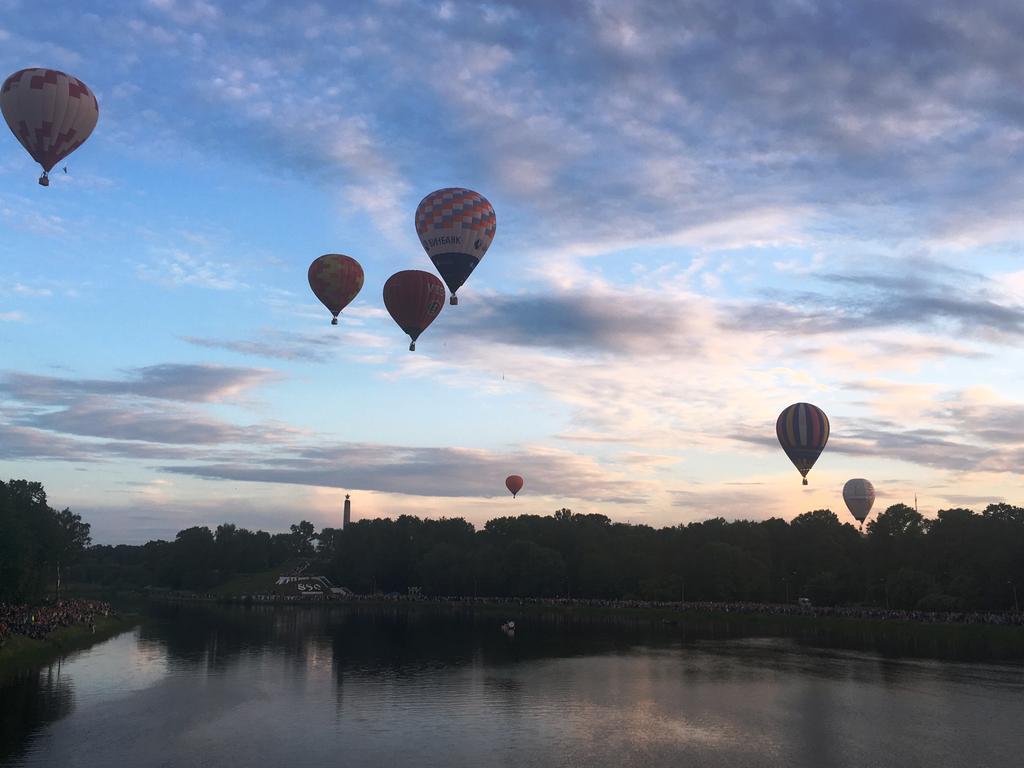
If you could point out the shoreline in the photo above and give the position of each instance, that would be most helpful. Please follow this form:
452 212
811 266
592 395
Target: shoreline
890 638
584 607
19 651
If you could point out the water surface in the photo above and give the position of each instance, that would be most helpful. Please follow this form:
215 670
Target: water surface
203 686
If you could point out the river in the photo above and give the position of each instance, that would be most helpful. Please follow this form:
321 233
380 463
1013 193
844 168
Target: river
204 686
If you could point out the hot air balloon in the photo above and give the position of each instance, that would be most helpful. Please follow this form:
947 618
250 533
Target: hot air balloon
335 279
859 495
413 298
802 430
514 483
50 113
455 226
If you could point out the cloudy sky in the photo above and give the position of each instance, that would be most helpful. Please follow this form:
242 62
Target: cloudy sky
706 211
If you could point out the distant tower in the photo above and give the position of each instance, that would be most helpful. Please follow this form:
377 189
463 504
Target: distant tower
347 518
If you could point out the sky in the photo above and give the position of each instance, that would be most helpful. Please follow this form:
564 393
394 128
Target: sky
705 212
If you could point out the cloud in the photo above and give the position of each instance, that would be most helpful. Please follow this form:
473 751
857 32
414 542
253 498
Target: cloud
956 303
187 12
315 349
168 381
609 322
20 214
732 501
971 500
27 290
761 177
21 442
175 268
94 417
299 347
429 471
967 431
597 122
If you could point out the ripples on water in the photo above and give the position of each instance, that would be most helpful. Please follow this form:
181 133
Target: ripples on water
202 686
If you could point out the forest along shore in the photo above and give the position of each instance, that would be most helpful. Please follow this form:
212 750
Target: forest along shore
34 633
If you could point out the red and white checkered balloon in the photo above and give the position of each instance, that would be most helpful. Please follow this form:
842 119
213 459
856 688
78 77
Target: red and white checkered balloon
49 112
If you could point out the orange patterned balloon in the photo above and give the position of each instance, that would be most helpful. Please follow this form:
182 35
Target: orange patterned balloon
456 227
335 279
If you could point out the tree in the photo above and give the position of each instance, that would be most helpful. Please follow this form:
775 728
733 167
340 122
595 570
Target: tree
897 521
70 538
303 536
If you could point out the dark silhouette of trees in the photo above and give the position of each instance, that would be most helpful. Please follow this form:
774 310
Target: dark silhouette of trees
303 535
959 560
69 538
36 541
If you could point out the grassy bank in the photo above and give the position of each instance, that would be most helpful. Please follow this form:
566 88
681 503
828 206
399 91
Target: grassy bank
889 637
20 651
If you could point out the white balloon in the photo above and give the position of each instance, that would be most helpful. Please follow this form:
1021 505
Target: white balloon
859 495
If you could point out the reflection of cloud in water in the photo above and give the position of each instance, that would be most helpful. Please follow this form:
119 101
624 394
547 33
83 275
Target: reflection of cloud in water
116 668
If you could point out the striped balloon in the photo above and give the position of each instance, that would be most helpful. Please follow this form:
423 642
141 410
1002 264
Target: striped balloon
456 227
49 112
859 495
335 279
413 298
802 430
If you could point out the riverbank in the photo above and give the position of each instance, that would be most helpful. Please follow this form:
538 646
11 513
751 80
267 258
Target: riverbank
887 633
19 651
639 607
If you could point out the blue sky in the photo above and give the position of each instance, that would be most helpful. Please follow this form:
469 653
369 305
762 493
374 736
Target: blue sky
706 212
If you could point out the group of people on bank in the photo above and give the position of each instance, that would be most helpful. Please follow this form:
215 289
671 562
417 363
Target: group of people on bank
1001 618
37 621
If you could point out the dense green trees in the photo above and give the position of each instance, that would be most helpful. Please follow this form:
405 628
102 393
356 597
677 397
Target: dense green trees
961 559
197 559
36 542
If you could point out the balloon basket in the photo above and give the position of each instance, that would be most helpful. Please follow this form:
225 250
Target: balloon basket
454 300
412 346
44 180
334 321
805 481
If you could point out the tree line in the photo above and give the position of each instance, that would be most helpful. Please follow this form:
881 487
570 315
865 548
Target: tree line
37 542
960 560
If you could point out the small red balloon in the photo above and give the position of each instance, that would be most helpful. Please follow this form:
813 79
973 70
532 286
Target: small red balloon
514 483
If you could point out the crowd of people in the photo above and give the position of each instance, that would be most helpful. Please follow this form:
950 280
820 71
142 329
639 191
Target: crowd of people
37 621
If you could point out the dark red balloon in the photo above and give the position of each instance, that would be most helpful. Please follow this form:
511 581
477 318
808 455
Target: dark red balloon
514 483
413 298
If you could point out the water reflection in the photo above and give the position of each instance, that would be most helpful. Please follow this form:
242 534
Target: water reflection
264 686
29 700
